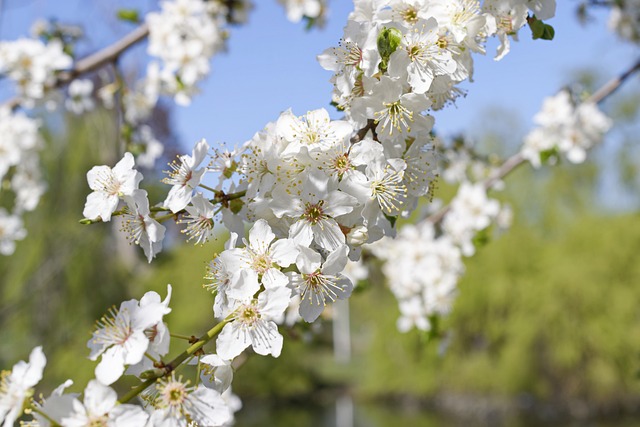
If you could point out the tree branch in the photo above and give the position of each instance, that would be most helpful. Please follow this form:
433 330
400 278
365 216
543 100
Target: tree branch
516 160
171 366
95 60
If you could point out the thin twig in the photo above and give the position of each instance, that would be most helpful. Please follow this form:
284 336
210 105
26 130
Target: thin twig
516 160
171 366
95 60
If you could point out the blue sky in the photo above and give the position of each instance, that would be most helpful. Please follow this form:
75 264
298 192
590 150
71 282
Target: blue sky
270 65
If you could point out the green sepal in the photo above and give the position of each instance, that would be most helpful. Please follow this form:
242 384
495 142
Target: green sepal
236 205
309 23
228 172
391 219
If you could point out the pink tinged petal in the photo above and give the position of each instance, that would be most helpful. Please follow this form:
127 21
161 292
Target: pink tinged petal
261 236
328 235
98 398
301 233
232 341
111 366
284 252
99 205
274 279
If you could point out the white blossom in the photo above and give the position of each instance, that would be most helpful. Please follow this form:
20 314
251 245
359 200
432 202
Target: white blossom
17 385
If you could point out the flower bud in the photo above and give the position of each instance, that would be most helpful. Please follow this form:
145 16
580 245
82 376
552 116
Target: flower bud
388 41
358 236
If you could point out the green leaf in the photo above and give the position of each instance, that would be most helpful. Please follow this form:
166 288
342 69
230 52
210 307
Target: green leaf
310 23
481 238
129 15
537 28
549 32
540 30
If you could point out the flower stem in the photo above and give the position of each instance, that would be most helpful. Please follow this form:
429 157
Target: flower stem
182 337
153 359
171 366
206 187
163 218
198 372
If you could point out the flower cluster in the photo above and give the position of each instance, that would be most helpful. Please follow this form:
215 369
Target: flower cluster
422 271
184 35
16 386
111 186
132 337
424 263
297 9
19 172
32 65
398 58
565 128
79 100
625 19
